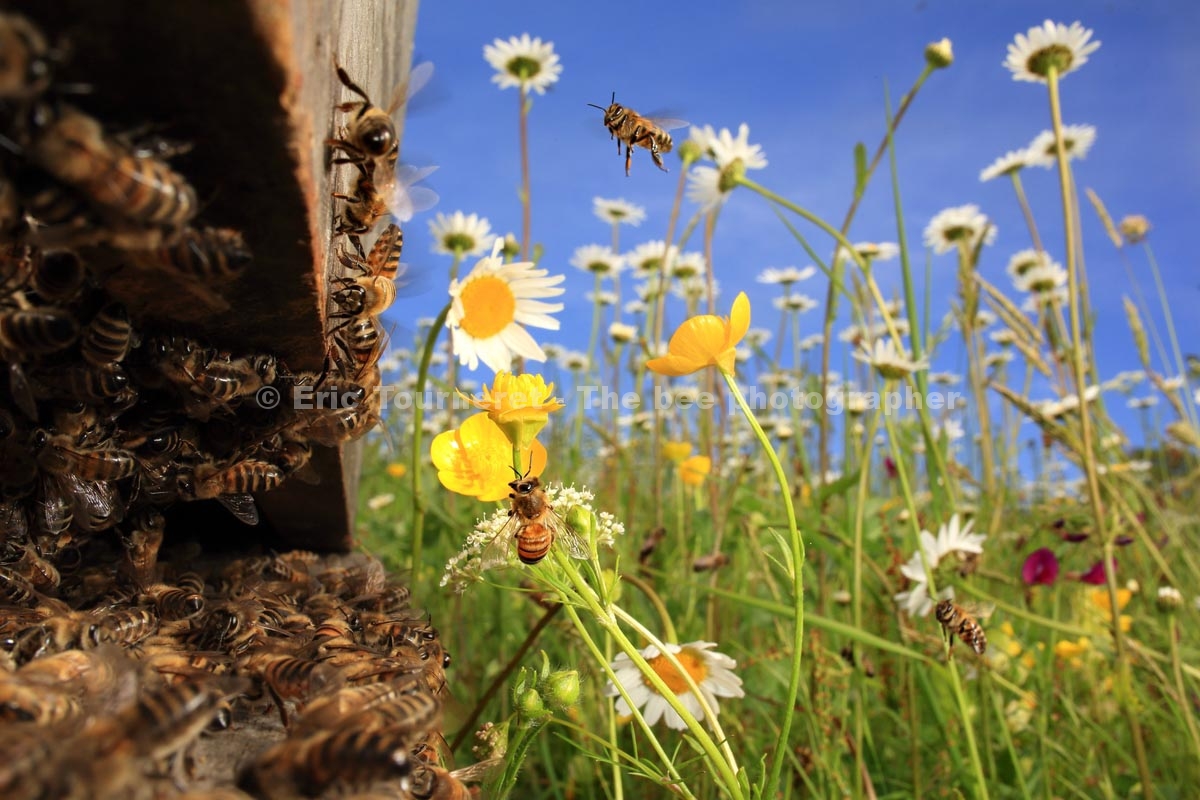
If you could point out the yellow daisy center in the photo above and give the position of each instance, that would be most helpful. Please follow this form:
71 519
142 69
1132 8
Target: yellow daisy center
489 306
692 663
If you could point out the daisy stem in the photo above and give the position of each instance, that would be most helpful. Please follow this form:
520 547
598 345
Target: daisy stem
860 511
656 601
634 710
1023 201
418 521
1088 457
526 199
1170 321
780 752
1181 688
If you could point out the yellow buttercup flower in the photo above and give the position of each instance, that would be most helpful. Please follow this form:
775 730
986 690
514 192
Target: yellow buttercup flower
1072 652
476 459
1103 603
694 470
705 341
519 404
677 451
396 469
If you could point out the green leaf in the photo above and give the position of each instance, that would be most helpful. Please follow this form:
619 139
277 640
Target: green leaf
860 169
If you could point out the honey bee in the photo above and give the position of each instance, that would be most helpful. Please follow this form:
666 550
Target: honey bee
533 525
371 132
167 719
414 709
288 677
330 710
348 756
633 130
361 340
35 332
126 626
40 573
28 64
107 338
174 602
232 485
118 180
367 296
384 259
210 255
56 455
431 782
59 276
40 704
712 561
141 542
399 194
961 622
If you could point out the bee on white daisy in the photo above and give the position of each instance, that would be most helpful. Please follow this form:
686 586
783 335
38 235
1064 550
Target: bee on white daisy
461 234
711 671
889 361
1032 55
492 304
1010 163
647 258
1077 141
597 259
786 276
965 225
521 61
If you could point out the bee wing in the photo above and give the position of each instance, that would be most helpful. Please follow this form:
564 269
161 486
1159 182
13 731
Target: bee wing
406 198
92 500
498 552
241 506
669 123
978 610
576 545
418 78
22 392
479 771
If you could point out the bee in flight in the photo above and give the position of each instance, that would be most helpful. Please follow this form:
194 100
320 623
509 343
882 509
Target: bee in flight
533 525
634 130
961 622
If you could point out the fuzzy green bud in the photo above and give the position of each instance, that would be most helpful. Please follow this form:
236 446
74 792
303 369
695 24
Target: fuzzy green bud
732 175
689 152
530 708
939 55
581 519
562 688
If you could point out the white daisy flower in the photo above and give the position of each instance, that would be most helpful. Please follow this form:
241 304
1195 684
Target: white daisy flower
959 224
875 251
945 378
1003 337
1149 401
704 138
1066 49
1023 261
522 61
726 148
798 303
757 337
711 671
635 307
491 306
695 287
1042 277
603 298
618 211
811 341
1077 141
916 601
622 333
786 276
574 360
890 362
704 187
992 360
1041 300
955 537
687 265
597 259
464 234
647 258
1008 164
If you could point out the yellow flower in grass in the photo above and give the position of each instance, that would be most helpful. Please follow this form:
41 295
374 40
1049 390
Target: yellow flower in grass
476 460
396 469
677 451
1103 603
694 470
705 340
519 404
1072 652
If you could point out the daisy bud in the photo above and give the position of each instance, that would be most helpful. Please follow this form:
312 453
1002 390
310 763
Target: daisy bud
562 688
1169 599
510 248
689 152
939 55
531 711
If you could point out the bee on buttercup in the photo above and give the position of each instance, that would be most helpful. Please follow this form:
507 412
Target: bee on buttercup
533 525
634 130
961 622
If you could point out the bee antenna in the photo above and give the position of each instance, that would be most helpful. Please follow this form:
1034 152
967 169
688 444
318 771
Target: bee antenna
515 472
614 96
593 105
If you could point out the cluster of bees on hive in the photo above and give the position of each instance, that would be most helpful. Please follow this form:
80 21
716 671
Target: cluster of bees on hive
125 672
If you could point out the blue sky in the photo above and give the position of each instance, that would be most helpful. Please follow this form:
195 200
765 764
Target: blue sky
810 79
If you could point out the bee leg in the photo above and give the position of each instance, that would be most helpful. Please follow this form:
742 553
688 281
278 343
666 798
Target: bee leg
657 156
283 715
628 158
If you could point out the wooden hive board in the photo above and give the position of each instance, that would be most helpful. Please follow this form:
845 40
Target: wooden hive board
251 85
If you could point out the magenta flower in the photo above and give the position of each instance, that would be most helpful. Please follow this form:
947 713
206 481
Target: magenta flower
1040 568
1096 575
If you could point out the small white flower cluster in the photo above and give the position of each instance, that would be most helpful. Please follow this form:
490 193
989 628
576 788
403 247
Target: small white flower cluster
952 537
467 565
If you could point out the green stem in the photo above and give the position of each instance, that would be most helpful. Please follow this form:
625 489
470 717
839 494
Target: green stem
418 530
1180 365
526 198
780 751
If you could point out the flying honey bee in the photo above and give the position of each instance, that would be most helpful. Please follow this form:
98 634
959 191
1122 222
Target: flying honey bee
634 130
533 525
961 622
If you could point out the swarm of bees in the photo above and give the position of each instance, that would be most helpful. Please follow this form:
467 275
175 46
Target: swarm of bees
119 669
